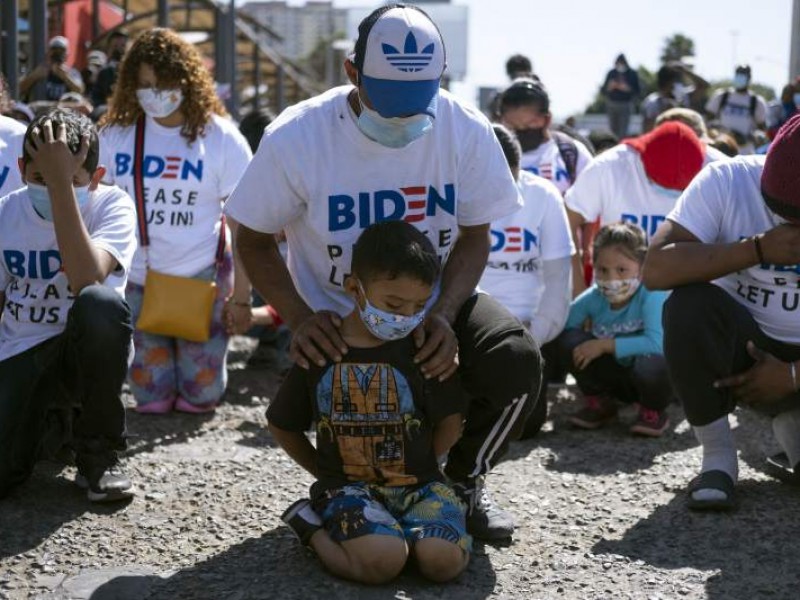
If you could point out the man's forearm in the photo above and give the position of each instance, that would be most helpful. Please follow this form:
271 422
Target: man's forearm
693 262
241 282
269 275
463 270
83 263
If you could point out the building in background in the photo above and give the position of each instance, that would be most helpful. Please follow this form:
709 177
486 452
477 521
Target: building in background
301 28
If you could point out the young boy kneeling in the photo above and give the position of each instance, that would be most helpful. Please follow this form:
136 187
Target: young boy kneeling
66 244
379 495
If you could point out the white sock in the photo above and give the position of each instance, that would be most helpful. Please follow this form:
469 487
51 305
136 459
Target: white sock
786 427
719 454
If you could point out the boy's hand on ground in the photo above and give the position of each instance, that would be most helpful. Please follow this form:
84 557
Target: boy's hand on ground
585 353
768 380
316 338
51 156
438 347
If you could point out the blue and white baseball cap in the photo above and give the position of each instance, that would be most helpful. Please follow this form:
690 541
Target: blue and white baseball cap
400 56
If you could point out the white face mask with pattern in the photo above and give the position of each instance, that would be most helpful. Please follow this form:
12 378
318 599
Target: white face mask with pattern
159 103
618 290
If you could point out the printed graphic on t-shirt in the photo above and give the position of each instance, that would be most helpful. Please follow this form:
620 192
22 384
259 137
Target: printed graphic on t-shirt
174 205
429 207
367 410
510 242
769 287
648 223
29 271
605 331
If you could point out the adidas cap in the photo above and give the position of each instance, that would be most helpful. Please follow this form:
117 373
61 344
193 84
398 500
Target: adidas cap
400 56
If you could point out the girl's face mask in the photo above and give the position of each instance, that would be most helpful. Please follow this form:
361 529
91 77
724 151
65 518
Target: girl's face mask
618 290
159 103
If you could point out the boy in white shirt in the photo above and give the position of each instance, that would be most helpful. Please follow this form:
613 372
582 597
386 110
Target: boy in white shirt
66 244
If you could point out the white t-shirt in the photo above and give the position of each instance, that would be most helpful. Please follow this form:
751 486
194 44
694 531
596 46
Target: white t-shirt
654 104
537 232
37 295
12 134
185 187
723 205
616 188
546 162
321 180
735 115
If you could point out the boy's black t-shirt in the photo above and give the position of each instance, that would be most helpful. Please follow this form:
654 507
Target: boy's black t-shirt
374 414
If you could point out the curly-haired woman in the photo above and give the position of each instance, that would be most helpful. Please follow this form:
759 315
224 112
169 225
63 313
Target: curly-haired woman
193 157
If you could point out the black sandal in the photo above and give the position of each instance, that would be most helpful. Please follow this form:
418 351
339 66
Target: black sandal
712 480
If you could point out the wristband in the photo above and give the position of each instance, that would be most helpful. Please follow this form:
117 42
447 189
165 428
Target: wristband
759 251
276 318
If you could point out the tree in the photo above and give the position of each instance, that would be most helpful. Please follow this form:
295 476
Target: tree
676 47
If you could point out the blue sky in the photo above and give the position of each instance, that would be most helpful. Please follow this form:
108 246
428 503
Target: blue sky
573 42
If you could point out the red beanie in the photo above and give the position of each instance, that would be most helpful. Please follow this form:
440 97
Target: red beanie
672 154
780 179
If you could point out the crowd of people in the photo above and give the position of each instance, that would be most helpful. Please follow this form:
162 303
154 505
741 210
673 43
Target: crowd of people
437 272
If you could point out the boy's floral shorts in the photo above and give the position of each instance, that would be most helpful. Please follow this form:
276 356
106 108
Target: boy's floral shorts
413 513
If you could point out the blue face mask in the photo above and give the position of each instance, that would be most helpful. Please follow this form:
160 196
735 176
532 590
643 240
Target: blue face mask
796 100
40 198
395 132
385 325
740 81
669 193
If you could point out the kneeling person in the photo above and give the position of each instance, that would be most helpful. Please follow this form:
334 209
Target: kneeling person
380 427
66 244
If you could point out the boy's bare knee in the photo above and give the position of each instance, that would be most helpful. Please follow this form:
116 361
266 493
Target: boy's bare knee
440 560
376 558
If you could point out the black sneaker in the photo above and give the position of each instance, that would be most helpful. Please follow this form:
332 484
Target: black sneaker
485 520
779 467
302 520
109 484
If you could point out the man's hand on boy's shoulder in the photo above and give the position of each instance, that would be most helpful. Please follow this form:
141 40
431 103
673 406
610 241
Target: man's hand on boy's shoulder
437 347
51 156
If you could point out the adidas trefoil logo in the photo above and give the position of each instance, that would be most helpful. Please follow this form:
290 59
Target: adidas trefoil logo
411 59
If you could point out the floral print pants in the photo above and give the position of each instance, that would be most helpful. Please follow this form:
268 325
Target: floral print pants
165 368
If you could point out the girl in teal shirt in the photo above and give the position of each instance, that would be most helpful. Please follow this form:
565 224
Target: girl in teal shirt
613 337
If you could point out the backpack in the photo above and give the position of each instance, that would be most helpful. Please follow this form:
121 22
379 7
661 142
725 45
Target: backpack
569 153
724 100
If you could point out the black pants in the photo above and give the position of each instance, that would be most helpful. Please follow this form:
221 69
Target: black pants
501 372
645 381
67 390
705 339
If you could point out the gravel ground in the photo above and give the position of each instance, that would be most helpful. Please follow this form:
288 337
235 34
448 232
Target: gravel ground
601 515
